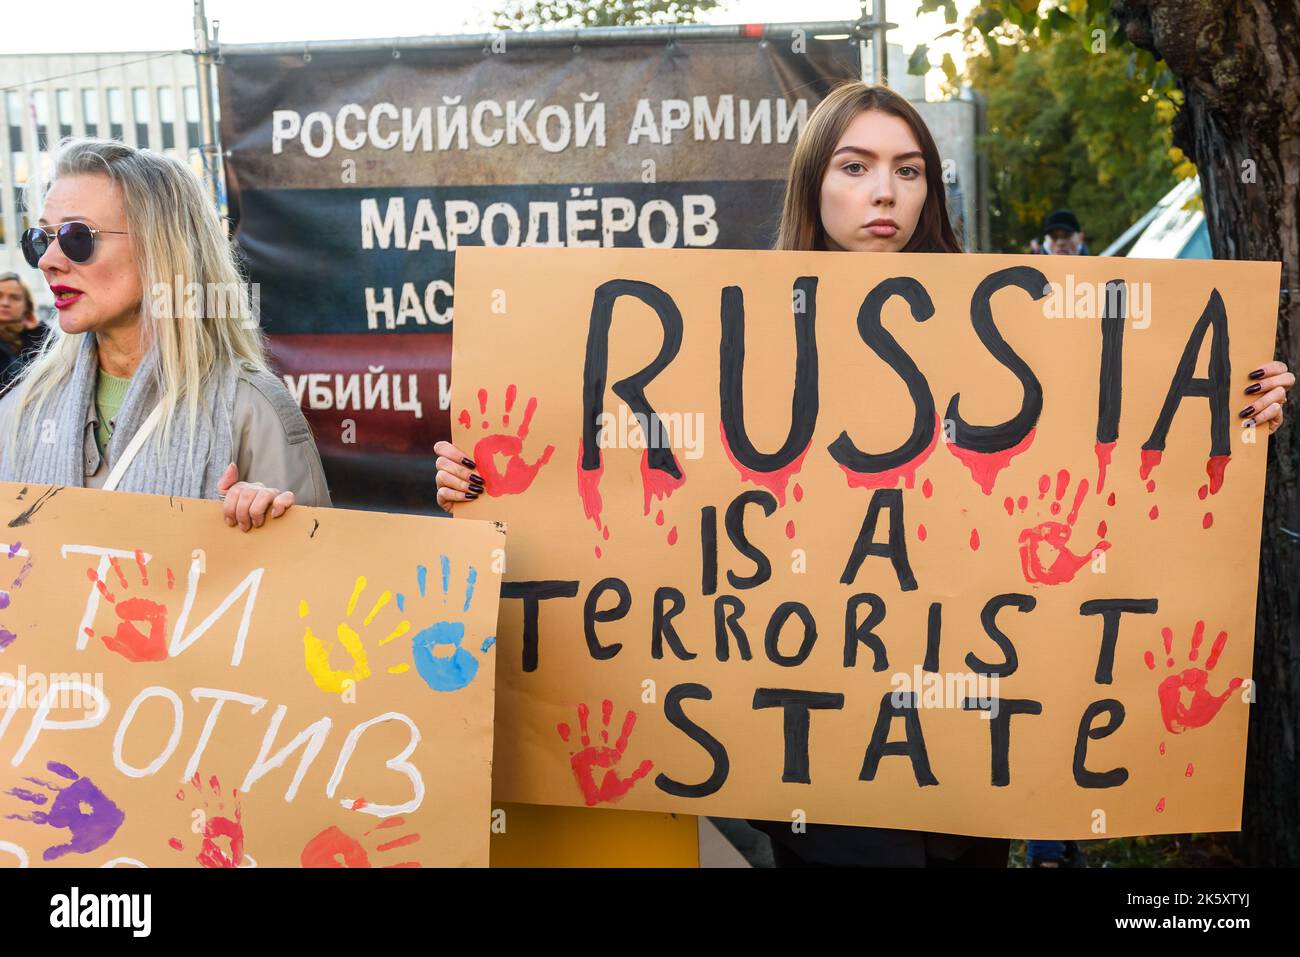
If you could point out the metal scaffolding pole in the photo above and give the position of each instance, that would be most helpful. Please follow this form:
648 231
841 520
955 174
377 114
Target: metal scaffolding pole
207 121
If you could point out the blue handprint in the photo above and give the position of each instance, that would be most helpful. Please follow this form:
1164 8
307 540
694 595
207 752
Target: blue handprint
456 666
90 829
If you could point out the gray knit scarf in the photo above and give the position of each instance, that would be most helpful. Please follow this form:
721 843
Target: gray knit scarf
157 469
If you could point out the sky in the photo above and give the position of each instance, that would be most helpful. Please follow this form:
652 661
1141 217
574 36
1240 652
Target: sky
84 26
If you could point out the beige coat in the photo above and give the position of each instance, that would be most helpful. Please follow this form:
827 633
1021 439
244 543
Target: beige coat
273 443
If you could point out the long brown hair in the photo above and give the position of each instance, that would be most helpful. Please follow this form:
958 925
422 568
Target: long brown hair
801 220
13 338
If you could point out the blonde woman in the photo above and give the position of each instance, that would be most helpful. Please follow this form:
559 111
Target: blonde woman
144 386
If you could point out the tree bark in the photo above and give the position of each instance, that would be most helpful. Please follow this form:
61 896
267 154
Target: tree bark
1238 64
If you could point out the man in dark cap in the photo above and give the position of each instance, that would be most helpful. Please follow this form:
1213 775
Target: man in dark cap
1062 234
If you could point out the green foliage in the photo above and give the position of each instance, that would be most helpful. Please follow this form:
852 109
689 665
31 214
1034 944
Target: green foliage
543 14
1067 126
918 64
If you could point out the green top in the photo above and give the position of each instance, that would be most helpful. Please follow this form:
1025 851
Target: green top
110 391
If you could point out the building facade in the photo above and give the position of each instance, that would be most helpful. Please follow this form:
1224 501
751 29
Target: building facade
146 99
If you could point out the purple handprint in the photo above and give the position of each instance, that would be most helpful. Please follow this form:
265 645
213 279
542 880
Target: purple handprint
7 637
90 829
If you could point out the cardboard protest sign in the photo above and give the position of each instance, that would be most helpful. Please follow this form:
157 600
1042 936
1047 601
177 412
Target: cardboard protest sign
317 692
954 543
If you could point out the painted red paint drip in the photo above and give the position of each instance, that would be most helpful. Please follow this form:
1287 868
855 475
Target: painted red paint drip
1150 459
774 482
927 488
589 486
985 466
1207 520
1103 450
1154 513
1215 468
920 532
974 539
789 529
656 483
889 478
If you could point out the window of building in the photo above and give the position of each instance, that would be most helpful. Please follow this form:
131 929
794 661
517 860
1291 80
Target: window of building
116 113
14 112
140 106
191 95
41 110
63 104
167 116
90 111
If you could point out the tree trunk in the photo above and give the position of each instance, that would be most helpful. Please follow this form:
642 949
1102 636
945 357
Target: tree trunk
1237 64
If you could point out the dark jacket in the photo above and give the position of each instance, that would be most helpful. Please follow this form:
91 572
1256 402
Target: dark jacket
12 359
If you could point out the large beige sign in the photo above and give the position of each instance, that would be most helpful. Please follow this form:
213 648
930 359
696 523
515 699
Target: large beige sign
173 692
958 543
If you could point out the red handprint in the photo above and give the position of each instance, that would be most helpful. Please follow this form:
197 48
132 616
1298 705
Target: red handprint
334 847
1052 536
518 474
213 827
591 757
1200 709
128 641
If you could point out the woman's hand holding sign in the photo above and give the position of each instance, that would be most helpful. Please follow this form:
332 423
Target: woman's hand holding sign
456 480
1270 385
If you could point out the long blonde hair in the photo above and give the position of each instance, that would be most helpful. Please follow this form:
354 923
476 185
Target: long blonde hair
178 239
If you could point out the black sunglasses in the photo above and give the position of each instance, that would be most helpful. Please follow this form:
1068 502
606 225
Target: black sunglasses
77 240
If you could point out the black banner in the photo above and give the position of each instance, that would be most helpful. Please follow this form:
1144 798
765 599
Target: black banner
353 178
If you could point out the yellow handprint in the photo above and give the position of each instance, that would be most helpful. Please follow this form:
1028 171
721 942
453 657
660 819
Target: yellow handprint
317 652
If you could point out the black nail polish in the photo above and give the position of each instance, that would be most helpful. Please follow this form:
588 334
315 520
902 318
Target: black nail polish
1246 411
476 489
1253 389
468 463
1257 374
475 477
470 496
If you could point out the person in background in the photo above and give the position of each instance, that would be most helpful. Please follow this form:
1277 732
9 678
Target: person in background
1062 234
21 332
135 392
